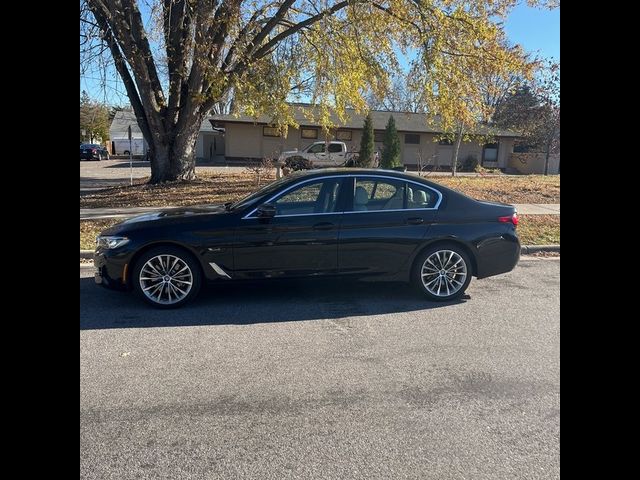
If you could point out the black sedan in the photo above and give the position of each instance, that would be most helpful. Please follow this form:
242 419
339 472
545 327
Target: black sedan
374 224
93 151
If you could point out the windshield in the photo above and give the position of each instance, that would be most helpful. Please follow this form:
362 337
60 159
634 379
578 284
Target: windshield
263 192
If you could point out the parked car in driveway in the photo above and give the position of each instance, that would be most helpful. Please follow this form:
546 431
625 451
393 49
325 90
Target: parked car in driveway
93 151
376 224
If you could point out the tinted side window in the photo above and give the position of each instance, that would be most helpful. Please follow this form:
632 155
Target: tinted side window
378 194
420 197
315 197
335 148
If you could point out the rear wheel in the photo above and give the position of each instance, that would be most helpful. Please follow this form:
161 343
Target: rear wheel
167 277
442 272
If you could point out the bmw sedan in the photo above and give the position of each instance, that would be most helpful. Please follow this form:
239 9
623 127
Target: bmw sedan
371 224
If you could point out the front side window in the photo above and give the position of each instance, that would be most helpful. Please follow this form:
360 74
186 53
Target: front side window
310 198
316 148
372 194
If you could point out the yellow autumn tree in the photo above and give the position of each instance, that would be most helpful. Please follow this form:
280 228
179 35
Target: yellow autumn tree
266 52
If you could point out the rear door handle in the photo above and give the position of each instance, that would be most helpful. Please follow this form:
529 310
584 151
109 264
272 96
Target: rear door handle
415 220
323 226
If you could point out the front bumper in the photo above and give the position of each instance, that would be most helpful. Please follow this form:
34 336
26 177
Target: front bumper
111 270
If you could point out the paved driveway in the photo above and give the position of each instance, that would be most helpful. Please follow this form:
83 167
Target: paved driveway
327 381
110 173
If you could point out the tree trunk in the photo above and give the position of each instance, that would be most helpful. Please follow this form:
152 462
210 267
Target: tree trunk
171 161
454 160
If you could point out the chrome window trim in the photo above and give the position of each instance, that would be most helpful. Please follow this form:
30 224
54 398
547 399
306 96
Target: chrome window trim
350 175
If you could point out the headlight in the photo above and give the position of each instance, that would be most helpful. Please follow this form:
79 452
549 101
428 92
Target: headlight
111 242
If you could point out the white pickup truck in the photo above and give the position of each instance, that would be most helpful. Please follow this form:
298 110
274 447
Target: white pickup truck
320 154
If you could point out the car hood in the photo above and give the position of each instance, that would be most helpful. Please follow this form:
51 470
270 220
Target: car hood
166 216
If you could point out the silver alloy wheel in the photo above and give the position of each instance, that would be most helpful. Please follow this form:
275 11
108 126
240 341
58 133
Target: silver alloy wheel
166 279
444 273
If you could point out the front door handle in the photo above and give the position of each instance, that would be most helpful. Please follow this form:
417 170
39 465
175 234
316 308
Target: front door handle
415 220
323 226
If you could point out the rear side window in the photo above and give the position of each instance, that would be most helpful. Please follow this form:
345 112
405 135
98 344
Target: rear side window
335 148
420 197
378 194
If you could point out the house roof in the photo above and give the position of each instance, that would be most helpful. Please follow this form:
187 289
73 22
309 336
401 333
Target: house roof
124 118
405 121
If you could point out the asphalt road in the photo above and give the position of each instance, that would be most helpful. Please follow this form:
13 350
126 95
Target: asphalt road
305 380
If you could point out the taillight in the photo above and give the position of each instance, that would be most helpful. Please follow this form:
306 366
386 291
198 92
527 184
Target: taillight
509 219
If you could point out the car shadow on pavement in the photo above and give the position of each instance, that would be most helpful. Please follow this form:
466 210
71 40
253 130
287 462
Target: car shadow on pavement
251 303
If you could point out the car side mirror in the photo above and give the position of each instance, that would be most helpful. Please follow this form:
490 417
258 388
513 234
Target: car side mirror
266 210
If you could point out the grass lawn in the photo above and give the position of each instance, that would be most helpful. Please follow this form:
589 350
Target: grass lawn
539 229
225 187
532 230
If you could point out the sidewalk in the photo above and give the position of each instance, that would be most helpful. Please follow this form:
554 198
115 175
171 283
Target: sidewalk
104 213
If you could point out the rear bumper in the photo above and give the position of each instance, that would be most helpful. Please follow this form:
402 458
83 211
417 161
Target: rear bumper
497 255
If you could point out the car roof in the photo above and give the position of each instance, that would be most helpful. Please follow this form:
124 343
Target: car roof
321 172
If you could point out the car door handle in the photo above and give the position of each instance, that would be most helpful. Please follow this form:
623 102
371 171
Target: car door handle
415 220
323 226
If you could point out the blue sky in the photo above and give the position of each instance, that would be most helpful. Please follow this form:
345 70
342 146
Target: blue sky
537 30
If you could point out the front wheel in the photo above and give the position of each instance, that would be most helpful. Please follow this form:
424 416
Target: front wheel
167 277
442 272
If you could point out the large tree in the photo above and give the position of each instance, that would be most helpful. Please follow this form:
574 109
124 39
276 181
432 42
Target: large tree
178 59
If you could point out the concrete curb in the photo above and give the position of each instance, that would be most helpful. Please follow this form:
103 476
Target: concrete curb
526 249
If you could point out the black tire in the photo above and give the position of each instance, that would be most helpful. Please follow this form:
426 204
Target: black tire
99 157
186 258
107 157
447 281
298 163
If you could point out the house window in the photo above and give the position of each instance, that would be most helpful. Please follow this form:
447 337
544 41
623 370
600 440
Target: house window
412 138
270 132
490 152
309 133
445 141
344 135
378 136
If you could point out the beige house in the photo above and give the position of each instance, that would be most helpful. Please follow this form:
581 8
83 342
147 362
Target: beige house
255 138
